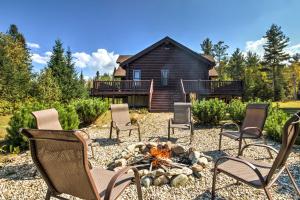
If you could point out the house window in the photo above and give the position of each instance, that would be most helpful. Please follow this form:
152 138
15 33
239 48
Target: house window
136 74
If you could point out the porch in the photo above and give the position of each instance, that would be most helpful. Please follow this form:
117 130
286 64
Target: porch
156 100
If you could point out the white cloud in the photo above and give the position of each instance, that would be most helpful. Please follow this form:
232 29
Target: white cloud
33 45
101 60
41 59
257 47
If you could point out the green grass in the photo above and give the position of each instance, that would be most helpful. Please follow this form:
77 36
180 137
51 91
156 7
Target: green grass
288 104
3 125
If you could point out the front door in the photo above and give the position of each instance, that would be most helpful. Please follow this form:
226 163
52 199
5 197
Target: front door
164 77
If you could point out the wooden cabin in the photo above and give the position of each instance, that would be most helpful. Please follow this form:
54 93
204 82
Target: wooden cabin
164 73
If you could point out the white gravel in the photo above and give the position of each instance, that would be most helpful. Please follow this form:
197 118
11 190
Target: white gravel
20 180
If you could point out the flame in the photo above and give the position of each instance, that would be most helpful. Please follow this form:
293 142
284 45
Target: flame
163 153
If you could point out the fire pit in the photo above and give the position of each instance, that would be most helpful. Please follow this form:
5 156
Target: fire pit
162 163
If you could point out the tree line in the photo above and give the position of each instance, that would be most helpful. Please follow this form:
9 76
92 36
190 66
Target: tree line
274 76
57 81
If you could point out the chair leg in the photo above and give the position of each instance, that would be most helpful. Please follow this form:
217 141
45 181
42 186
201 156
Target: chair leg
110 132
139 132
129 132
118 138
173 131
169 130
293 180
213 189
192 134
267 193
269 152
93 153
48 195
240 146
220 142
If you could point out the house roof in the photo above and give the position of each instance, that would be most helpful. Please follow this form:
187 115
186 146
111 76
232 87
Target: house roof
119 72
122 58
213 72
167 40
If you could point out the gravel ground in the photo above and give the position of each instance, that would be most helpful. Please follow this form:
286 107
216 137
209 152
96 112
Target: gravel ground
20 180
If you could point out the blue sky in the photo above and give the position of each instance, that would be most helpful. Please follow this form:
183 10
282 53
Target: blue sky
97 31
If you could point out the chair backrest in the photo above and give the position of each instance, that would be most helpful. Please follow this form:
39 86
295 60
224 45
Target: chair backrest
61 158
120 113
256 115
182 113
47 119
289 136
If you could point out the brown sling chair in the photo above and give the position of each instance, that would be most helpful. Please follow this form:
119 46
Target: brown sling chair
49 120
252 127
120 120
182 119
260 174
61 158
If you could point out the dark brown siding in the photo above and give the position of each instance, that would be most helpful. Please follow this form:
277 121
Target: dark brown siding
181 65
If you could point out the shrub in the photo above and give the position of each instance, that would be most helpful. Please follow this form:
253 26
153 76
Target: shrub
89 110
237 110
23 119
275 122
210 111
6 107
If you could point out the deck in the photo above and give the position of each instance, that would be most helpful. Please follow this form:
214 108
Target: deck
144 87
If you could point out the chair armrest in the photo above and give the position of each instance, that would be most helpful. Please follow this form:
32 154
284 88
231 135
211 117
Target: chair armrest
259 145
251 128
250 165
113 180
228 124
86 133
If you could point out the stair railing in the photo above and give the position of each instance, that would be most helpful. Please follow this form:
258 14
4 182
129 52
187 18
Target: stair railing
182 91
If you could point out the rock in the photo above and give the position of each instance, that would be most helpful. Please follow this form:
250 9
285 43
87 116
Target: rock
179 180
146 181
126 154
178 149
168 145
143 172
140 145
158 172
118 168
198 174
131 148
193 156
121 162
187 171
161 180
174 172
197 168
203 161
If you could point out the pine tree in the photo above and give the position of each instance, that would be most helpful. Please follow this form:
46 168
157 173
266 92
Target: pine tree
207 47
15 66
236 65
252 59
47 88
275 56
97 76
220 53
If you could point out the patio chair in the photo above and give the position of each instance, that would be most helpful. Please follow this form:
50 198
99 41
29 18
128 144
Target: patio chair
182 119
49 120
120 120
61 158
252 127
259 174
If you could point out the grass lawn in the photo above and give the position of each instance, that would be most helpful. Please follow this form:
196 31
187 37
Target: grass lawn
3 125
289 104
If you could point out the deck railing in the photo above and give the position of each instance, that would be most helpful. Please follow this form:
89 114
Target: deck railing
121 86
213 87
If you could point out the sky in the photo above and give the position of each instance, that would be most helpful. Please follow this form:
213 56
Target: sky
98 31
